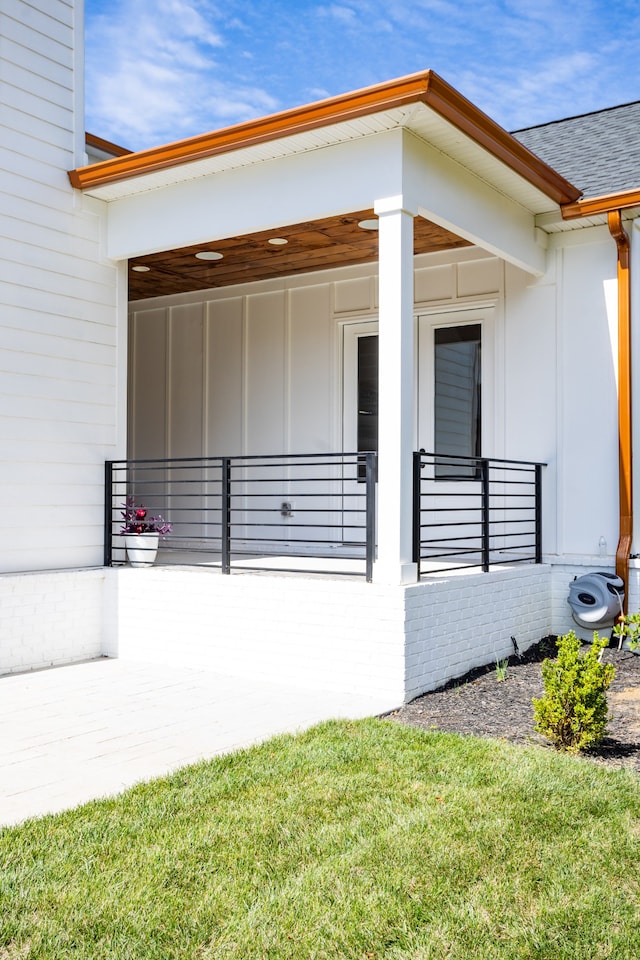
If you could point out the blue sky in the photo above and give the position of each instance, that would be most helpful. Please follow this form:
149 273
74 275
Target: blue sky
161 70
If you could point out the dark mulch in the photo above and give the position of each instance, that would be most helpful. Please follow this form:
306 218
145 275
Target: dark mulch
479 704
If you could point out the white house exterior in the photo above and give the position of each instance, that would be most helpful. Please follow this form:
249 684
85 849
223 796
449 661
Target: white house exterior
265 367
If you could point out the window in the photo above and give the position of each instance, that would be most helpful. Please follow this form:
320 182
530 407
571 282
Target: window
368 393
457 397
367 415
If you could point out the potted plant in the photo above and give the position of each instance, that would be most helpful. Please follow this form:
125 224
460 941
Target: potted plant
141 533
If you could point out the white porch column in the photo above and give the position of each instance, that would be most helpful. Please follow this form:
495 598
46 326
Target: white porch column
396 392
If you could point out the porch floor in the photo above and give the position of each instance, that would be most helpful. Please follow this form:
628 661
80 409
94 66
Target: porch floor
76 733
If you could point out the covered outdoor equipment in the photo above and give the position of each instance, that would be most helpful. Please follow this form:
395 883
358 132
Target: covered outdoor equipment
596 599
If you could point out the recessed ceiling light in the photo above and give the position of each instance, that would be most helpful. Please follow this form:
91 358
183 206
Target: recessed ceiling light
368 224
209 255
140 268
277 241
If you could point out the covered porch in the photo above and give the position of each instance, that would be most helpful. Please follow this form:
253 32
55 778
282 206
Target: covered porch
269 571
247 354
259 262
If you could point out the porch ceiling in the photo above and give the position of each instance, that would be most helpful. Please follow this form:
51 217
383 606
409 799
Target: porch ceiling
317 245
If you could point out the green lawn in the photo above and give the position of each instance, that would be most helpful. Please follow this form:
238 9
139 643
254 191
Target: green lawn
363 840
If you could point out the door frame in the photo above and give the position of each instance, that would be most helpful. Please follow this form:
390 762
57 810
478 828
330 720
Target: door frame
351 331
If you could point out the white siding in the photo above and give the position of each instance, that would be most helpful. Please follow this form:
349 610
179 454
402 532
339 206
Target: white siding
58 297
560 390
245 370
272 378
266 368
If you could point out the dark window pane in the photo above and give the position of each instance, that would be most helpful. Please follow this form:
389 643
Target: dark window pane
368 393
457 408
367 397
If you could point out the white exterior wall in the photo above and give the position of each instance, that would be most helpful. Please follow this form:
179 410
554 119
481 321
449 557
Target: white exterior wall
60 401
346 635
458 623
332 634
257 368
50 618
560 397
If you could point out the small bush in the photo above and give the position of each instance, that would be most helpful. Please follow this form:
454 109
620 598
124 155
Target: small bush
627 630
573 711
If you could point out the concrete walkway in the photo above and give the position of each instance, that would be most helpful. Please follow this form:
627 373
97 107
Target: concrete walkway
89 730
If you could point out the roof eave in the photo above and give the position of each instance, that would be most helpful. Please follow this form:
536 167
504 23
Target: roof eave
592 206
426 87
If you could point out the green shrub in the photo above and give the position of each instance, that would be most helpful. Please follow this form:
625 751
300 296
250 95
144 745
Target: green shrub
573 711
627 630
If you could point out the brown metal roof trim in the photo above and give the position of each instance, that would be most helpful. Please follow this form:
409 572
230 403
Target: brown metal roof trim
100 144
608 203
426 87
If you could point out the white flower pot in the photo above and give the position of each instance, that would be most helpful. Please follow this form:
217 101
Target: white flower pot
141 548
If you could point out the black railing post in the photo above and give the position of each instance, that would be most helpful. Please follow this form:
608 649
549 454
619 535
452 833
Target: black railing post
226 515
417 476
538 512
108 510
486 514
370 488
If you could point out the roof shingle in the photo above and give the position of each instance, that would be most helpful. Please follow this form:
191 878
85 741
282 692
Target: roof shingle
598 152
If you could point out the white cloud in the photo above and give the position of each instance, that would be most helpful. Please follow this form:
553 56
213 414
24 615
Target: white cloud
159 70
345 15
154 74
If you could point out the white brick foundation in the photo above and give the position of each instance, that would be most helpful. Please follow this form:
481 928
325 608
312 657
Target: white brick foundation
47 619
463 622
342 635
634 586
337 634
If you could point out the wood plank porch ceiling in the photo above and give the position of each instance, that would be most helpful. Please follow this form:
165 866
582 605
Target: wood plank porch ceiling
319 245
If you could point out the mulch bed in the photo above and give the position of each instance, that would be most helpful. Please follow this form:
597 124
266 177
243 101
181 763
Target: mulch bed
479 704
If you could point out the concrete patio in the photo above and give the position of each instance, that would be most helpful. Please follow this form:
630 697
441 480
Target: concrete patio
75 733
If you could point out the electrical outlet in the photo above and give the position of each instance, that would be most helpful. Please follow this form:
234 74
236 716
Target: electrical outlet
286 508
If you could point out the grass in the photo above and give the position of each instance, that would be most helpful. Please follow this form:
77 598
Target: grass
362 840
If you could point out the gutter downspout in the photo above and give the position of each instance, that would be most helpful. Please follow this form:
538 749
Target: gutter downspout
619 234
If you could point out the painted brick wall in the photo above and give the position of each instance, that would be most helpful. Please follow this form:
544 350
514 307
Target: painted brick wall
333 634
50 618
456 624
342 635
634 587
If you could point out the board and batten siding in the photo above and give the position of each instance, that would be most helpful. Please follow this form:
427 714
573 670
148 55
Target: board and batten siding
266 372
245 371
257 368
59 345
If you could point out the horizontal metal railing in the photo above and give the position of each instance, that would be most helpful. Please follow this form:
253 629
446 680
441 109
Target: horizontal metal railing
475 512
273 511
228 510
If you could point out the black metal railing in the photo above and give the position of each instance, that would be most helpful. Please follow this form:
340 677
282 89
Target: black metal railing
228 510
475 512
258 511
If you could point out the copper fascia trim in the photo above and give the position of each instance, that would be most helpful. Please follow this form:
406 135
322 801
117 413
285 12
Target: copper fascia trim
445 100
625 443
607 203
100 144
426 87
